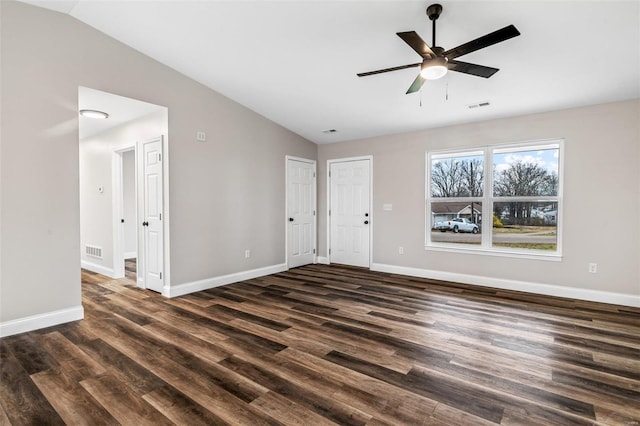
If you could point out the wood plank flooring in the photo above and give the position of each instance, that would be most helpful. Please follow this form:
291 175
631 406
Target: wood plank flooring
130 267
323 345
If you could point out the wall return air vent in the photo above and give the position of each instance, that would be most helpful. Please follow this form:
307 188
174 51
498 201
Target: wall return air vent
93 251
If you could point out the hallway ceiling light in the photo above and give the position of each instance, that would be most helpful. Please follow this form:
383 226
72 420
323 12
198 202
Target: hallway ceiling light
91 113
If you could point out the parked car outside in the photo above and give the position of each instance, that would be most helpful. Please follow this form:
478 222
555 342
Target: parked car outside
457 224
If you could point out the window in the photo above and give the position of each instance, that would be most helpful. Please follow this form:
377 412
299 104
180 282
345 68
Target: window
457 188
518 194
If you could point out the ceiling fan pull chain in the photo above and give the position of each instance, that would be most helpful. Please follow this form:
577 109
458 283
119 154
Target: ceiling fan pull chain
446 93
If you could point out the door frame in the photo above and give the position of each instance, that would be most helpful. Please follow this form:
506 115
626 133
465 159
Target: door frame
117 208
286 206
371 215
117 204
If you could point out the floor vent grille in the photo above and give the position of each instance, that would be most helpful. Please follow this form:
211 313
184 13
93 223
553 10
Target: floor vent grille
93 251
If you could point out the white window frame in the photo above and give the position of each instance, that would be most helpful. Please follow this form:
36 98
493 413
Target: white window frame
488 199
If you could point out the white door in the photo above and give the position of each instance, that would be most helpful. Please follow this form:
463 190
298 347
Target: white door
152 215
349 212
301 211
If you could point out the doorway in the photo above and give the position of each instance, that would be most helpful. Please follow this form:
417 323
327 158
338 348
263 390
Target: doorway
138 251
349 215
125 210
124 187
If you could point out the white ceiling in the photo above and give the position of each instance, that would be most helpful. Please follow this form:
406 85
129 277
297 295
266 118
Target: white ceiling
296 62
120 109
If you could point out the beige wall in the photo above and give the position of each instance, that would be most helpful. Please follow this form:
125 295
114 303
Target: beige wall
226 195
601 196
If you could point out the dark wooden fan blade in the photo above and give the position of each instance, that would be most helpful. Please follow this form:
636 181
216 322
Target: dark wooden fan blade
401 67
417 43
473 69
482 42
416 85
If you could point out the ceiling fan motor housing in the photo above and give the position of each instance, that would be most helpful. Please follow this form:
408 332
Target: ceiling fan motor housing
434 11
438 51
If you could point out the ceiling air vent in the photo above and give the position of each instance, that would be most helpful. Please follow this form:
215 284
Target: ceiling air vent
479 104
329 131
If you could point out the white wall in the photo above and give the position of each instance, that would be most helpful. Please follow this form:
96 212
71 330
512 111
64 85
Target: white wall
601 190
129 208
226 195
96 211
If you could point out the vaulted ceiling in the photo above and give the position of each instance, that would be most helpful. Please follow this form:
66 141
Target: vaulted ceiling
296 62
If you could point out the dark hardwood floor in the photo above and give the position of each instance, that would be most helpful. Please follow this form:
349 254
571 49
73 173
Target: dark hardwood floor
130 268
323 345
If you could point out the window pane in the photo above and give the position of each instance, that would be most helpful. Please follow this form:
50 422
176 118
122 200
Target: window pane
457 223
526 225
526 173
461 175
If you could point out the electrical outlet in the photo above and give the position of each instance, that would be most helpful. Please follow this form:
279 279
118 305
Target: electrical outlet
593 268
247 254
401 250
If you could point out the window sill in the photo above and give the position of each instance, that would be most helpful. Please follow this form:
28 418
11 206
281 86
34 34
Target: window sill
481 251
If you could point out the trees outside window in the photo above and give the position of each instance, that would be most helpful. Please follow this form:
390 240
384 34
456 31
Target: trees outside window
521 196
457 186
461 176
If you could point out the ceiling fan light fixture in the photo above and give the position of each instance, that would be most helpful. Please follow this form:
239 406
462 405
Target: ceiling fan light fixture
436 60
92 113
434 69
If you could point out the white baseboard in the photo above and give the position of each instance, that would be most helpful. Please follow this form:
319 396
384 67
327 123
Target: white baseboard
35 322
130 255
98 269
529 287
322 260
186 288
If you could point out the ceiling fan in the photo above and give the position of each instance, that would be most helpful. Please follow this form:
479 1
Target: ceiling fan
436 61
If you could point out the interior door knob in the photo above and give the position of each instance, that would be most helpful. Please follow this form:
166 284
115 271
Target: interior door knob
366 222
290 219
